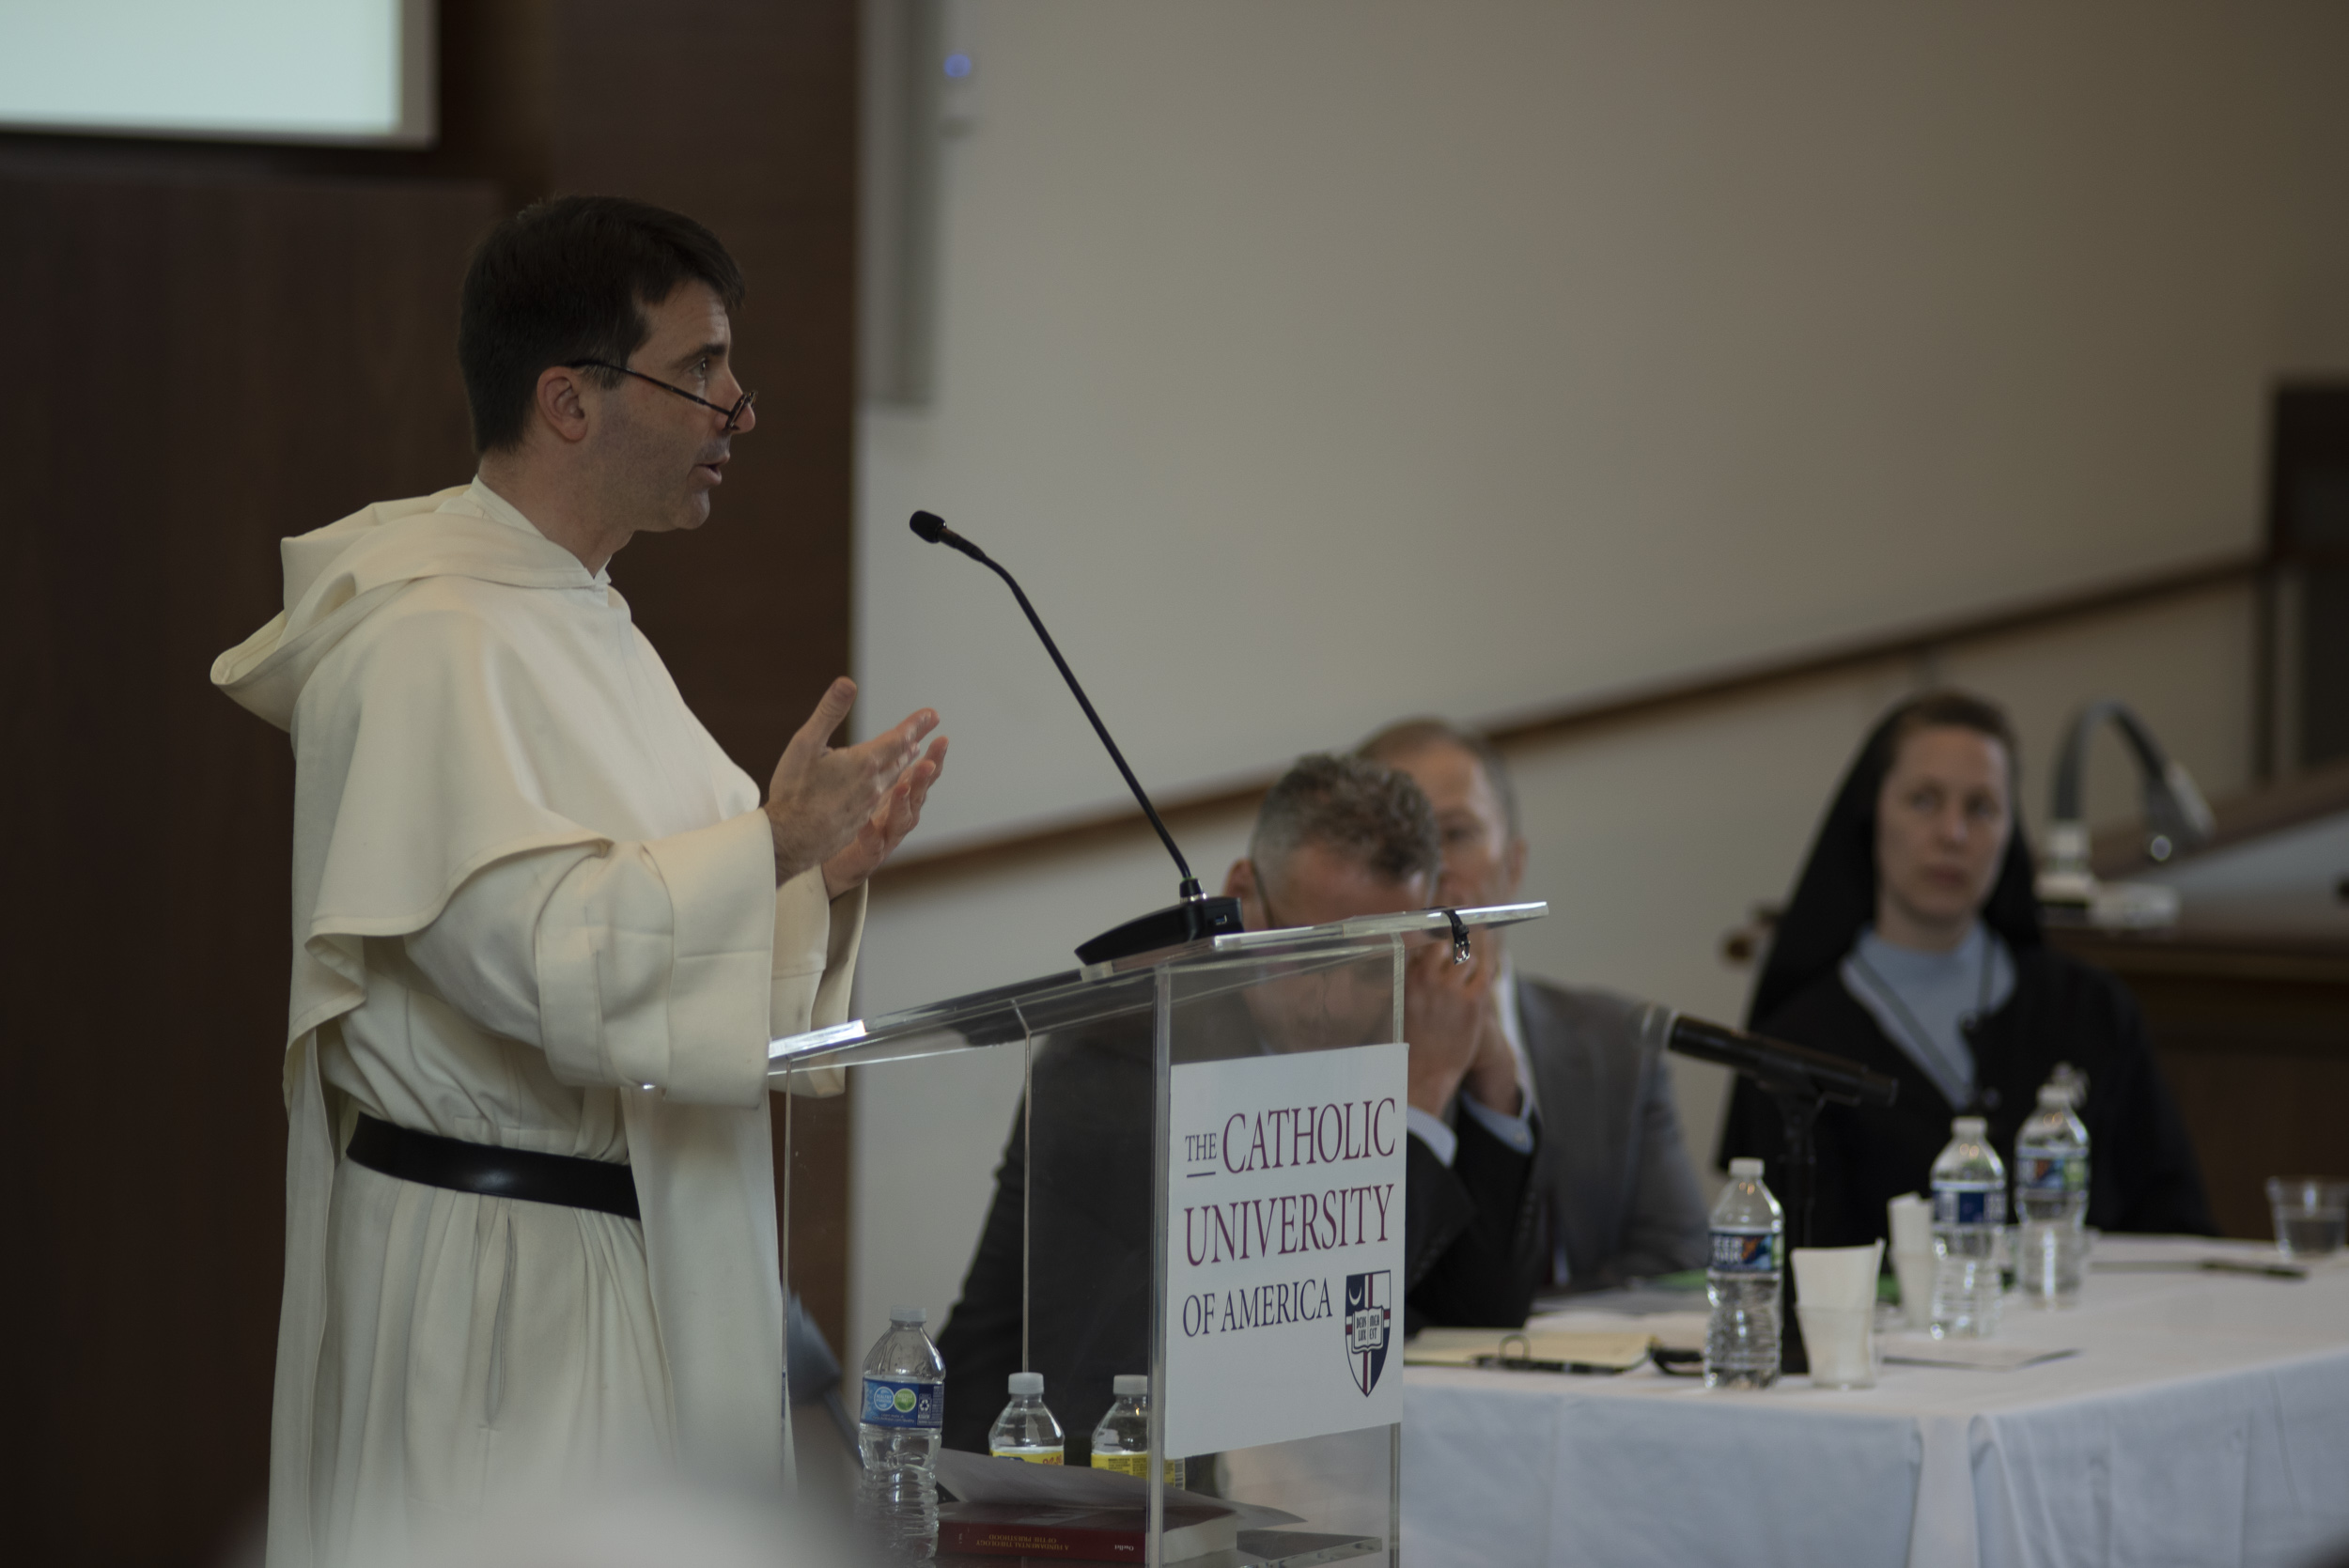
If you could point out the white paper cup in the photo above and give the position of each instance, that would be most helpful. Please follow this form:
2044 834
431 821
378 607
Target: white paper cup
1910 1221
1914 1271
1842 1344
1838 1276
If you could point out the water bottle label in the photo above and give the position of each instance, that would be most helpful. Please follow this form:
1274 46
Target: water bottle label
888 1403
1968 1206
1138 1465
2050 1170
1748 1252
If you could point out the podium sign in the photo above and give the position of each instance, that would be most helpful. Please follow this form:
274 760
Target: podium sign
1204 1182
1284 1248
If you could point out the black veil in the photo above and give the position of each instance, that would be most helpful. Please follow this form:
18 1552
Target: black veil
1836 896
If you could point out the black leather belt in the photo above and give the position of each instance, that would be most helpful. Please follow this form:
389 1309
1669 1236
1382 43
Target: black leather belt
461 1166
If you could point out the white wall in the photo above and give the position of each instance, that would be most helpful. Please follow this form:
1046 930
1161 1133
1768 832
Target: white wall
1341 356
1319 362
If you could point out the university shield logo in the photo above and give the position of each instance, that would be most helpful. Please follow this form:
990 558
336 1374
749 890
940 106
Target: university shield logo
1369 1318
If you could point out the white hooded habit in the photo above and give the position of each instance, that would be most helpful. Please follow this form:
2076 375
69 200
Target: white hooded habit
534 907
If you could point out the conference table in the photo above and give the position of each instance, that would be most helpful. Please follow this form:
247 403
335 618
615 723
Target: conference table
2204 1421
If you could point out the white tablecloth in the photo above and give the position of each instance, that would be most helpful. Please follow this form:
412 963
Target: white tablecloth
2205 1422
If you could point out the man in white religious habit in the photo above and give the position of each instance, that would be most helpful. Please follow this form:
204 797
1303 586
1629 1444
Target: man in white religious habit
543 930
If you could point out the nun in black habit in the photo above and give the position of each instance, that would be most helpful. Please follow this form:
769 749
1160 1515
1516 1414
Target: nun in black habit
2011 1009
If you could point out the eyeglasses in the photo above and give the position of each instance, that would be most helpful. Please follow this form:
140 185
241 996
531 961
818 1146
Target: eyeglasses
734 415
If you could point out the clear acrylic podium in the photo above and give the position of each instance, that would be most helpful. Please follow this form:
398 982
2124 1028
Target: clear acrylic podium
1202 1183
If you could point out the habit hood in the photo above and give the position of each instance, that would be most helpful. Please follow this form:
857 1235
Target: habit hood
1835 898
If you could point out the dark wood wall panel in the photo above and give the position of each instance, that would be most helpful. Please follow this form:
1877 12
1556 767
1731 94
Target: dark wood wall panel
2257 1054
219 365
2253 1040
2255 1114
217 346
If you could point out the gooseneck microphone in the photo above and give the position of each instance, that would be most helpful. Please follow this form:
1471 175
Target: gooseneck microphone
933 530
1197 915
1773 1063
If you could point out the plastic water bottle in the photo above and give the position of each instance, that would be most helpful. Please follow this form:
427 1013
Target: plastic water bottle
2051 1197
1741 1345
898 1425
1968 1211
1122 1441
1026 1429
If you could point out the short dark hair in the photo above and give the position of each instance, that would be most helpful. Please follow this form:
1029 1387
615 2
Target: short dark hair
1367 812
1943 707
566 281
1407 735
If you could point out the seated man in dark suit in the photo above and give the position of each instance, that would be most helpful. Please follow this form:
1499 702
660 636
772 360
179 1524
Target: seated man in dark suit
1617 1192
1337 837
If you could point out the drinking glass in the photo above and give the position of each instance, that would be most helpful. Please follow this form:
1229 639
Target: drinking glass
2311 1214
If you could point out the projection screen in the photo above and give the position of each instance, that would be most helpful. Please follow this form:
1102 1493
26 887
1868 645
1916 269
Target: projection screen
350 71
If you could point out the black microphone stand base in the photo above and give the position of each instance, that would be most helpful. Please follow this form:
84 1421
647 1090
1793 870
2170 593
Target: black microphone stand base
1798 1106
1794 1357
1192 920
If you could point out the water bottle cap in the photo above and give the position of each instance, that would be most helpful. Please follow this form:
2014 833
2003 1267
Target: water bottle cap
1742 1169
1130 1385
914 1315
1028 1385
2055 1097
1969 1126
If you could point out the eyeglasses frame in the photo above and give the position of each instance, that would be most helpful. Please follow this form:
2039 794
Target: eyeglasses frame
734 415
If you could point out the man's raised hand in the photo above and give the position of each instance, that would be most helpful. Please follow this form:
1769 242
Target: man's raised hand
880 833
846 808
1447 1014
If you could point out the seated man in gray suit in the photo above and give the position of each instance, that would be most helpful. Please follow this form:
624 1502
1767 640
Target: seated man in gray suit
1617 1192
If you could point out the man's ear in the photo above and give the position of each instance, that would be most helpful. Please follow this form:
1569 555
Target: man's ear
1240 883
1513 864
561 402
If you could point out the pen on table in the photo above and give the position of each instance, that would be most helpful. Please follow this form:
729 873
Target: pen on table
1523 1363
2272 1270
2203 1266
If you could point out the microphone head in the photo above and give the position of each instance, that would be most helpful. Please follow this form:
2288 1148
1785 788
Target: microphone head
1652 1025
927 526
